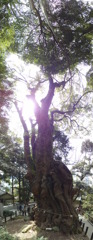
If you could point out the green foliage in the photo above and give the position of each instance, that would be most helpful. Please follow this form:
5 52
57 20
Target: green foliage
67 44
6 38
83 171
84 167
6 34
61 146
4 235
56 42
12 163
11 154
89 77
88 204
87 146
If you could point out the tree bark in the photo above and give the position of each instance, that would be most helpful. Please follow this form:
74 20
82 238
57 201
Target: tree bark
51 181
52 185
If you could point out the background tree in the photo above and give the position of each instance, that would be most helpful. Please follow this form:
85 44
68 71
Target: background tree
13 167
82 172
88 204
84 167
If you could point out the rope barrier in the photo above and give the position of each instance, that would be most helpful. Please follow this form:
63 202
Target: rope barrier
41 209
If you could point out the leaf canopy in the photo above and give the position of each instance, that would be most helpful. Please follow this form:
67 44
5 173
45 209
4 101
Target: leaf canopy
60 36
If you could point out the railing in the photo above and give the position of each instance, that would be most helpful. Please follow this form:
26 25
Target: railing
90 219
86 226
9 215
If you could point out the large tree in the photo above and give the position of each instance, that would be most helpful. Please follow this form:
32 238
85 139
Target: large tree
56 36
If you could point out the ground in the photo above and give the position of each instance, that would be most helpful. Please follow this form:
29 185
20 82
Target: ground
18 226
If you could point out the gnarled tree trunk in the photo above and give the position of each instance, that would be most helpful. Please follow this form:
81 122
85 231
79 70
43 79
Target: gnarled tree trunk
52 185
51 181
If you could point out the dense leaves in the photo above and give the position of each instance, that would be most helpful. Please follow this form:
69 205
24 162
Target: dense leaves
83 172
59 32
84 166
61 146
6 34
6 40
4 235
13 167
87 147
11 155
88 204
63 39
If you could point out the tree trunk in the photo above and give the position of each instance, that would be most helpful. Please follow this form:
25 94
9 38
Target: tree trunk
19 182
51 181
52 185
13 188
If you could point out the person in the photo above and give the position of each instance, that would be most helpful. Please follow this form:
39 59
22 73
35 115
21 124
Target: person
28 210
25 208
1 212
20 208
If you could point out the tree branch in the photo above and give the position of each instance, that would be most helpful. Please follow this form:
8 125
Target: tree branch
89 29
27 153
69 112
46 102
21 117
32 6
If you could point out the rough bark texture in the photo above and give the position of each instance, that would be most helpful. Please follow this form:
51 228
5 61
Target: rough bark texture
52 185
51 182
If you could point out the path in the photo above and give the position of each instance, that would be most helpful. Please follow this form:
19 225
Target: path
16 227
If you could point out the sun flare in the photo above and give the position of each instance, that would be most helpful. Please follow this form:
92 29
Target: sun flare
28 109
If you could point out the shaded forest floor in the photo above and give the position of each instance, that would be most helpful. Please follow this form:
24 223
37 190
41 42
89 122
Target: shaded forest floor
18 226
